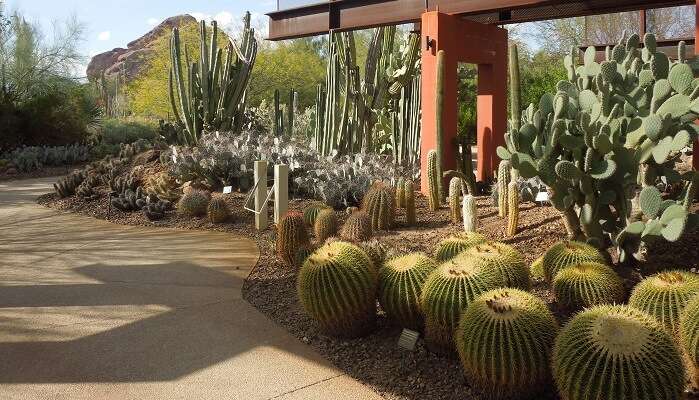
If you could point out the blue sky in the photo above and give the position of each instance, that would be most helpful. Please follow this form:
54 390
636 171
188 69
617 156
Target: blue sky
111 23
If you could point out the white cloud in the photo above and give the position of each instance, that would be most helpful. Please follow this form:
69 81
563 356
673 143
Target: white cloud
153 21
233 24
224 18
103 36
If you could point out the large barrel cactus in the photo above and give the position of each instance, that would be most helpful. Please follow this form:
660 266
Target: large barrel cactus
664 295
616 352
506 260
400 285
689 335
504 340
337 287
610 126
447 292
587 284
567 253
380 203
453 245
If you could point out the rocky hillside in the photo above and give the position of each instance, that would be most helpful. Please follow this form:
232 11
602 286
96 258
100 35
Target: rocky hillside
135 56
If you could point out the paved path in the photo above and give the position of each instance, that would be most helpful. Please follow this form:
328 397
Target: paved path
93 310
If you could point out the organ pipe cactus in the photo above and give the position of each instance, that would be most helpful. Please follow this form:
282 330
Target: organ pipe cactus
439 119
210 94
608 128
503 181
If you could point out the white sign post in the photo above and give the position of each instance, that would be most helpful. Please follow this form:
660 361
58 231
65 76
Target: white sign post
281 191
260 176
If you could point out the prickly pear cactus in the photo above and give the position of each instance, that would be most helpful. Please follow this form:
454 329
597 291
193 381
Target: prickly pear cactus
567 253
400 285
504 259
587 284
664 296
456 189
291 236
453 245
504 341
470 213
357 227
626 353
433 180
608 128
217 210
337 287
325 225
410 217
379 202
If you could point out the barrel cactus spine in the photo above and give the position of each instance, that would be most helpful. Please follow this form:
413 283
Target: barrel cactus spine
193 203
512 208
587 284
504 339
410 217
433 180
627 353
664 296
217 210
337 287
357 227
376 251
325 225
310 213
453 245
566 253
380 203
688 335
506 260
400 285
470 213
537 269
291 236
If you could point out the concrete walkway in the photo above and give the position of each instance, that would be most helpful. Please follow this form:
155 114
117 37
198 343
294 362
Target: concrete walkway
93 310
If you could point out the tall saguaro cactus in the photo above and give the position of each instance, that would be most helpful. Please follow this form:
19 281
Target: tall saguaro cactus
210 94
515 110
439 112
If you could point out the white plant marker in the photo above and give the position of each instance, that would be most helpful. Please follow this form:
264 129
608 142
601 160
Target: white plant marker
281 191
260 176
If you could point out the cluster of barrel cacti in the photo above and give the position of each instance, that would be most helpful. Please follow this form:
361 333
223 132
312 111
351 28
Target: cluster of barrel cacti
609 127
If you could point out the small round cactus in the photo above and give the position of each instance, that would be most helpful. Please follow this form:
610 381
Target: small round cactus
380 204
587 284
325 225
616 352
566 253
357 228
664 295
455 244
537 269
194 203
218 210
400 285
447 292
337 287
504 340
506 260
291 236
310 213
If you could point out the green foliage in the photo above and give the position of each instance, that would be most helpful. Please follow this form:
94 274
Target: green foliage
217 210
116 131
626 353
291 236
400 285
26 159
325 225
664 296
453 245
357 227
504 259
193 203
337 287
380 203
504 342
587 284
567 253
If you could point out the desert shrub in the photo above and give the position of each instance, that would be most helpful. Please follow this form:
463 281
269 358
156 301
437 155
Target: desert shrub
115 131
29 158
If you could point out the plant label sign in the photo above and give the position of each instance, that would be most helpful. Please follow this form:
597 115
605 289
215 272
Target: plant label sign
542 197
228 190
408 339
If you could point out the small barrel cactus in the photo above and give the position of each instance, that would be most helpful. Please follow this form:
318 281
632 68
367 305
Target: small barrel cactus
337 287
470 214
400 193
357 227
506 260
310 213
537 269
566 253
456 189
380 203
504 340
664 296
325 225
616 352
400 285
447 292
689 334
291 236
512 208
410 216
453 245
218 210
193 203
587 284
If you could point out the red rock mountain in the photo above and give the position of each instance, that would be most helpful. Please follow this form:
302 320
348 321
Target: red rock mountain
134 57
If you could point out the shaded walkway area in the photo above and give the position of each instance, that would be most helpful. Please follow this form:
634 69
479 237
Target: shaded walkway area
93 310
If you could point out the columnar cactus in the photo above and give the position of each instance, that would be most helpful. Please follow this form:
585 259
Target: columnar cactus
357 227
400 193
453 245
337 287
400 285
433 180
379 202
512 208
218 210
440 92
449 289
470 214
325 225
129 200
587 284
566 253
503 181
312 210
504 259
291 236
193 203
410 217
456 189
664 296
504 341
625 352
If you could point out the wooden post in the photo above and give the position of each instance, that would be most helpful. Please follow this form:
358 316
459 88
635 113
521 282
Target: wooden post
260 175
281 191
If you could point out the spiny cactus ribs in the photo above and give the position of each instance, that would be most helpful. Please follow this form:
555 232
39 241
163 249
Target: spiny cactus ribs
66 186
357 227
504 340
217 210
325 225
453 245
311 212
380 204
566 253
400 285
587 284
627 354
470 213
434 196
337 287
506 260
129 200
665 295
456 189
689 336
291 236
512 208
194 203
400 193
